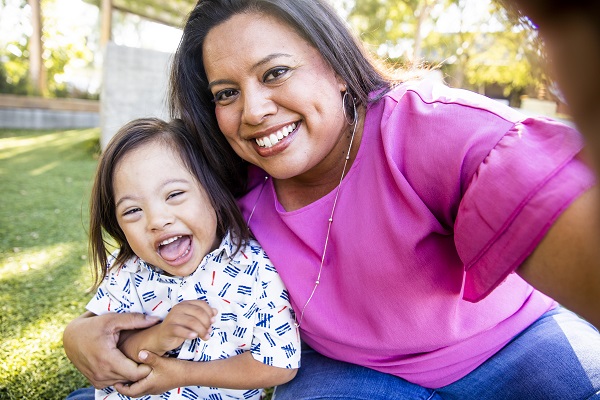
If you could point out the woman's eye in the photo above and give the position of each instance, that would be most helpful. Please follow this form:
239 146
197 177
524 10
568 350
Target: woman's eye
275 73
225 96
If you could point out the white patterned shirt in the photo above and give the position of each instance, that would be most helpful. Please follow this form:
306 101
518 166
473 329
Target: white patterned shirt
254 313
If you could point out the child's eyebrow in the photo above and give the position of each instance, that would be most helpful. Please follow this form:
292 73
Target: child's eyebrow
122 199
165 183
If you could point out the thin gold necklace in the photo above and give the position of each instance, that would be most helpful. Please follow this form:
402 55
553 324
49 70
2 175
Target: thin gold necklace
298 322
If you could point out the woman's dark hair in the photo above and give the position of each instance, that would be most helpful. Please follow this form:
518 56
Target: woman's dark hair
314 20
173 135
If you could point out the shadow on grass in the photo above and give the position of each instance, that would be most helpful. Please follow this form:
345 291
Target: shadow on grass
46 181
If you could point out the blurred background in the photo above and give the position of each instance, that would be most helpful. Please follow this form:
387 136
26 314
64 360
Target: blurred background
62 49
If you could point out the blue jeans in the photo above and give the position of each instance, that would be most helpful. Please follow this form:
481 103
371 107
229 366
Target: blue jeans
556 358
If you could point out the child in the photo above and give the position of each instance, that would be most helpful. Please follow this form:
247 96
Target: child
185 256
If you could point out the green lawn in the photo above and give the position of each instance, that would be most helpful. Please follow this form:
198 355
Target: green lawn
45 177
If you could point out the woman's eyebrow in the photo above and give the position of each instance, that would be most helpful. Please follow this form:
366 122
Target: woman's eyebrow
259 63
269 58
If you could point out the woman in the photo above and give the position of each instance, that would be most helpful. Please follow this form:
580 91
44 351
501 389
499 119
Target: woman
396 214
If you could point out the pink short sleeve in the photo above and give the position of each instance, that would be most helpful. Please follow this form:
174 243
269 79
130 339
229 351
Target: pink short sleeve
530 176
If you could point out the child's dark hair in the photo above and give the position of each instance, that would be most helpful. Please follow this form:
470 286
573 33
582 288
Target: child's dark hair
174 135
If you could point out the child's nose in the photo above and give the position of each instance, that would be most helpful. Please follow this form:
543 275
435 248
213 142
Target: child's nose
159 218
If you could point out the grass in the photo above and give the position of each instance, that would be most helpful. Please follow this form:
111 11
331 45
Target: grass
45 177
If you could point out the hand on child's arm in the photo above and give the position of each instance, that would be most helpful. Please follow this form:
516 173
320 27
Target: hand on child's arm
237 372
186 320
90 342
166 375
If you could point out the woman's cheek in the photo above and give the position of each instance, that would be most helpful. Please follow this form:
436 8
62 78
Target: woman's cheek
221 116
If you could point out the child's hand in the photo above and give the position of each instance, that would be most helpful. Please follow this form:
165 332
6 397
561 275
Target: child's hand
164 376
187 320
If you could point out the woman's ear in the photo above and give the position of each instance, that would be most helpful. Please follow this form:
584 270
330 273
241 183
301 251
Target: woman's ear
341 83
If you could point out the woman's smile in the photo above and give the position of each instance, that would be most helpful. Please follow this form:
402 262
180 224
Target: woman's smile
274 138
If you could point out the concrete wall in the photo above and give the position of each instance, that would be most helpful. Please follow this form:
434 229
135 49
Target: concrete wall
135 85
22 112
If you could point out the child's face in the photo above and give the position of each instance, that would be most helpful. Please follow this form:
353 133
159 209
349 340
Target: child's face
166 216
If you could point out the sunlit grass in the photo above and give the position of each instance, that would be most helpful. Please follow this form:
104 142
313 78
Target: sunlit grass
44 275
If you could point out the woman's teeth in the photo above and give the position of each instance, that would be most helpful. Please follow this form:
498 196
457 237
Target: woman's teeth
274 138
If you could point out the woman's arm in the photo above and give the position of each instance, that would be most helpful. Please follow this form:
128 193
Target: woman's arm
566 263
237 372
90 342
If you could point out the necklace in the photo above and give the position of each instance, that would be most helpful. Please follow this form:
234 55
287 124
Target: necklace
298 322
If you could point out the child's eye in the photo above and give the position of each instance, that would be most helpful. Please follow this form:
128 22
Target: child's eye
225 96
275 73
132 211
174 194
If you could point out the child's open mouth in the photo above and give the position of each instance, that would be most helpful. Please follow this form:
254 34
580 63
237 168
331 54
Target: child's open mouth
175 248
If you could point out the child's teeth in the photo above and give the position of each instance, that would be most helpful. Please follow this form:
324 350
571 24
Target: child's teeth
171 240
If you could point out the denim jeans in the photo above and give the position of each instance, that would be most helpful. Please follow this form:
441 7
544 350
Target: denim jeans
556 358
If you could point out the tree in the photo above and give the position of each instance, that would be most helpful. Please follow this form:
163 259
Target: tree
396 29
474 49
37 70
36 63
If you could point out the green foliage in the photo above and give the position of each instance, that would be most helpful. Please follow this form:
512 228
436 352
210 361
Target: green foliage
472 57
14 69
62 47
44 272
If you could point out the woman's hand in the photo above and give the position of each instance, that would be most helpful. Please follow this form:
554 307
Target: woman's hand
90 342
162 378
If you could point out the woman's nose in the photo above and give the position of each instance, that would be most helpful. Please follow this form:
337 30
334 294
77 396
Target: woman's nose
257 106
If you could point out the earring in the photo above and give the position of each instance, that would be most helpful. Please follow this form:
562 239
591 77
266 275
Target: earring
345 106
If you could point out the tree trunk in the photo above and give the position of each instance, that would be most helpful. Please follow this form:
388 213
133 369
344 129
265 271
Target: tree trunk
37 71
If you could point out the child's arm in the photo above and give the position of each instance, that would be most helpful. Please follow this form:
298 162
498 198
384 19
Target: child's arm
186 320
237 372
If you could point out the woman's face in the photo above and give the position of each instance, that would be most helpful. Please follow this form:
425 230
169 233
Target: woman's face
278 103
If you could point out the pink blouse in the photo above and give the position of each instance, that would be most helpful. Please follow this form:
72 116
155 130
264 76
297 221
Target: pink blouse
449 193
